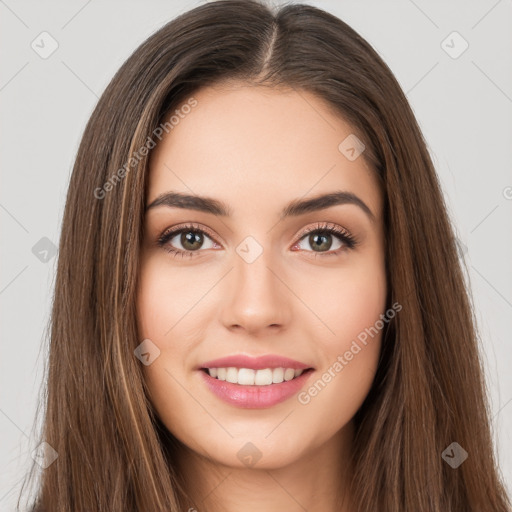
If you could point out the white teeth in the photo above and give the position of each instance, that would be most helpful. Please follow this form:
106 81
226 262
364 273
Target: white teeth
263 377
249 377
246 376
277 375
289 374
232 375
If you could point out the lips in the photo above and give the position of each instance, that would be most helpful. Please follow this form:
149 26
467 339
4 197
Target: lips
255 363
255 396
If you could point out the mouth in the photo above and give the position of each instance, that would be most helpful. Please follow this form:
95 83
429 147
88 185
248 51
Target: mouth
247 388
254 382
255 377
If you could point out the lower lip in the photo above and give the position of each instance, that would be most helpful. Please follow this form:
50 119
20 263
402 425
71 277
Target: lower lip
255 397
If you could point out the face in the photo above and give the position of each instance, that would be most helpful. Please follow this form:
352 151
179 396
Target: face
254 277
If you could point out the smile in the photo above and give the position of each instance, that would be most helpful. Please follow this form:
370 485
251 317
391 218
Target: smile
255 396
250 377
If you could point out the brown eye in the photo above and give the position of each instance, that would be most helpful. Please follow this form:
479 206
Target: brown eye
322 238
322 242
191 240
185 240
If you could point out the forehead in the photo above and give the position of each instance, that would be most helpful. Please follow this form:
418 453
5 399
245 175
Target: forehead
248 145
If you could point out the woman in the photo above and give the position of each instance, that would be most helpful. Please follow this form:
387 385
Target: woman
259 303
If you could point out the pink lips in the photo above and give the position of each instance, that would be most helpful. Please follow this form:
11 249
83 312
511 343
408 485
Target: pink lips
255 397
255 363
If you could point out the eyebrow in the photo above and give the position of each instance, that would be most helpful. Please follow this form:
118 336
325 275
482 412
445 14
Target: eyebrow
293 209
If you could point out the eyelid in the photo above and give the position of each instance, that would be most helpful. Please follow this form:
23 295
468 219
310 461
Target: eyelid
322 226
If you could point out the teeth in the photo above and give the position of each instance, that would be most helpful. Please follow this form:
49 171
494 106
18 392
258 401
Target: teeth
277 375
232 375
249 377
289 374
262 377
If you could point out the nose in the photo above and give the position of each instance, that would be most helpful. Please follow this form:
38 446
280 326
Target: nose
257 296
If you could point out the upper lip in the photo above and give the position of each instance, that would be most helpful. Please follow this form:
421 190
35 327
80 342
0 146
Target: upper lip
255 363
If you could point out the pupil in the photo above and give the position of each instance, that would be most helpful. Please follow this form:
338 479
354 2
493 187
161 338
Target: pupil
320 241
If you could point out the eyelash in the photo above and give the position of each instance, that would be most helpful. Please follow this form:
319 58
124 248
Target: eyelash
346 238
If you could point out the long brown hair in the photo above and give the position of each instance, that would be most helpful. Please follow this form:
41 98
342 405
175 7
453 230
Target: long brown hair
429 390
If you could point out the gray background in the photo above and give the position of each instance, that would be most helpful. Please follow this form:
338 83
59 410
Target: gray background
463 105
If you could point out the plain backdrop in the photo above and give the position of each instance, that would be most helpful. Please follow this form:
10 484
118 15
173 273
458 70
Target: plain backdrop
459 86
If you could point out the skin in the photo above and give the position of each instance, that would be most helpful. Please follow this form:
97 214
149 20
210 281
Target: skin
257 149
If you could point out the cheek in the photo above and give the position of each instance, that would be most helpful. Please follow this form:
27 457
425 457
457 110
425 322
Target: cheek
346 300
336 393
361 299
349 364
157 313
165 296
351 306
